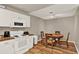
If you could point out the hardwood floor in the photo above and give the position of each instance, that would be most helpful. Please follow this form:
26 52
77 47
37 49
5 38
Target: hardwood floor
60 49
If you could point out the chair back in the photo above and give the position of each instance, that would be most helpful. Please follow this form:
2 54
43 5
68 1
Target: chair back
57 32
47 35
42 34
68 36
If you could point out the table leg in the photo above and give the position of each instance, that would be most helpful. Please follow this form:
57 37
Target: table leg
58 40
54 42
46 42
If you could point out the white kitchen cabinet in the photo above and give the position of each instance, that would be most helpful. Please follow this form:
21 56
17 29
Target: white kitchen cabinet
25 19
20 18
6 47
30 42
21 44
4 18
18 45
28 21
7 18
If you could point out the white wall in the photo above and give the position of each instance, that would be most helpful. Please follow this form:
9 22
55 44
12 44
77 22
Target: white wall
36 25
64 25
77 29
77 33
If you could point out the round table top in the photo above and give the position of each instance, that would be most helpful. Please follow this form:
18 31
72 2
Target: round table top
56 35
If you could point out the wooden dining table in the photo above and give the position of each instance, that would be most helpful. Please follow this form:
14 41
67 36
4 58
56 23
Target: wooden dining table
55 37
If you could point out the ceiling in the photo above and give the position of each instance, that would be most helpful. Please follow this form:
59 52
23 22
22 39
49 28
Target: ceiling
58 10
29 7
43 10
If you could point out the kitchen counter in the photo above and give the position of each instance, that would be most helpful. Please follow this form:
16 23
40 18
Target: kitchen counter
28 35
2 38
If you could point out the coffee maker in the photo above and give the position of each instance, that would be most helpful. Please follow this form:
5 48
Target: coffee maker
6 34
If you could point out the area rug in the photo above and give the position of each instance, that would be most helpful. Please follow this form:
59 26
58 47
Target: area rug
60 49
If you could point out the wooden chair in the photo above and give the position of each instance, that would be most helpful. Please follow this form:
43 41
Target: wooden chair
67 39
42 34
49 42
57 32
43 37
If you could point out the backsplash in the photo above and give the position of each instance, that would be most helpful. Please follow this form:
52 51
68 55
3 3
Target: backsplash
11 29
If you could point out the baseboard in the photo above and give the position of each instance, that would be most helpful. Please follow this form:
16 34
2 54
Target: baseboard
75 46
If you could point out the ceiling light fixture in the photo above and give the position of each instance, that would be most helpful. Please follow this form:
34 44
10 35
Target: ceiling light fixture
52 15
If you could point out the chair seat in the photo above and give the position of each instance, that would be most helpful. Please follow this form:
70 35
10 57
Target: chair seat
50 41
43 37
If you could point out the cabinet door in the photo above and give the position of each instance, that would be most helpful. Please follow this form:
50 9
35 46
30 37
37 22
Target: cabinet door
6 48
22 43
14 18
28 21
24 19
4 18
17 18
30 42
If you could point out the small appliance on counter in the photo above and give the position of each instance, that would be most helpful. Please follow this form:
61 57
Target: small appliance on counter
26 33
6 34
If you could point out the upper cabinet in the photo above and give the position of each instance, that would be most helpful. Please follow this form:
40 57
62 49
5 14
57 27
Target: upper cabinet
12 19
28 21
20 20
4 18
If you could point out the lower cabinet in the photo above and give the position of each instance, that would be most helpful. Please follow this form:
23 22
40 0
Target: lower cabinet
23 44
6 48
30 42
18 45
